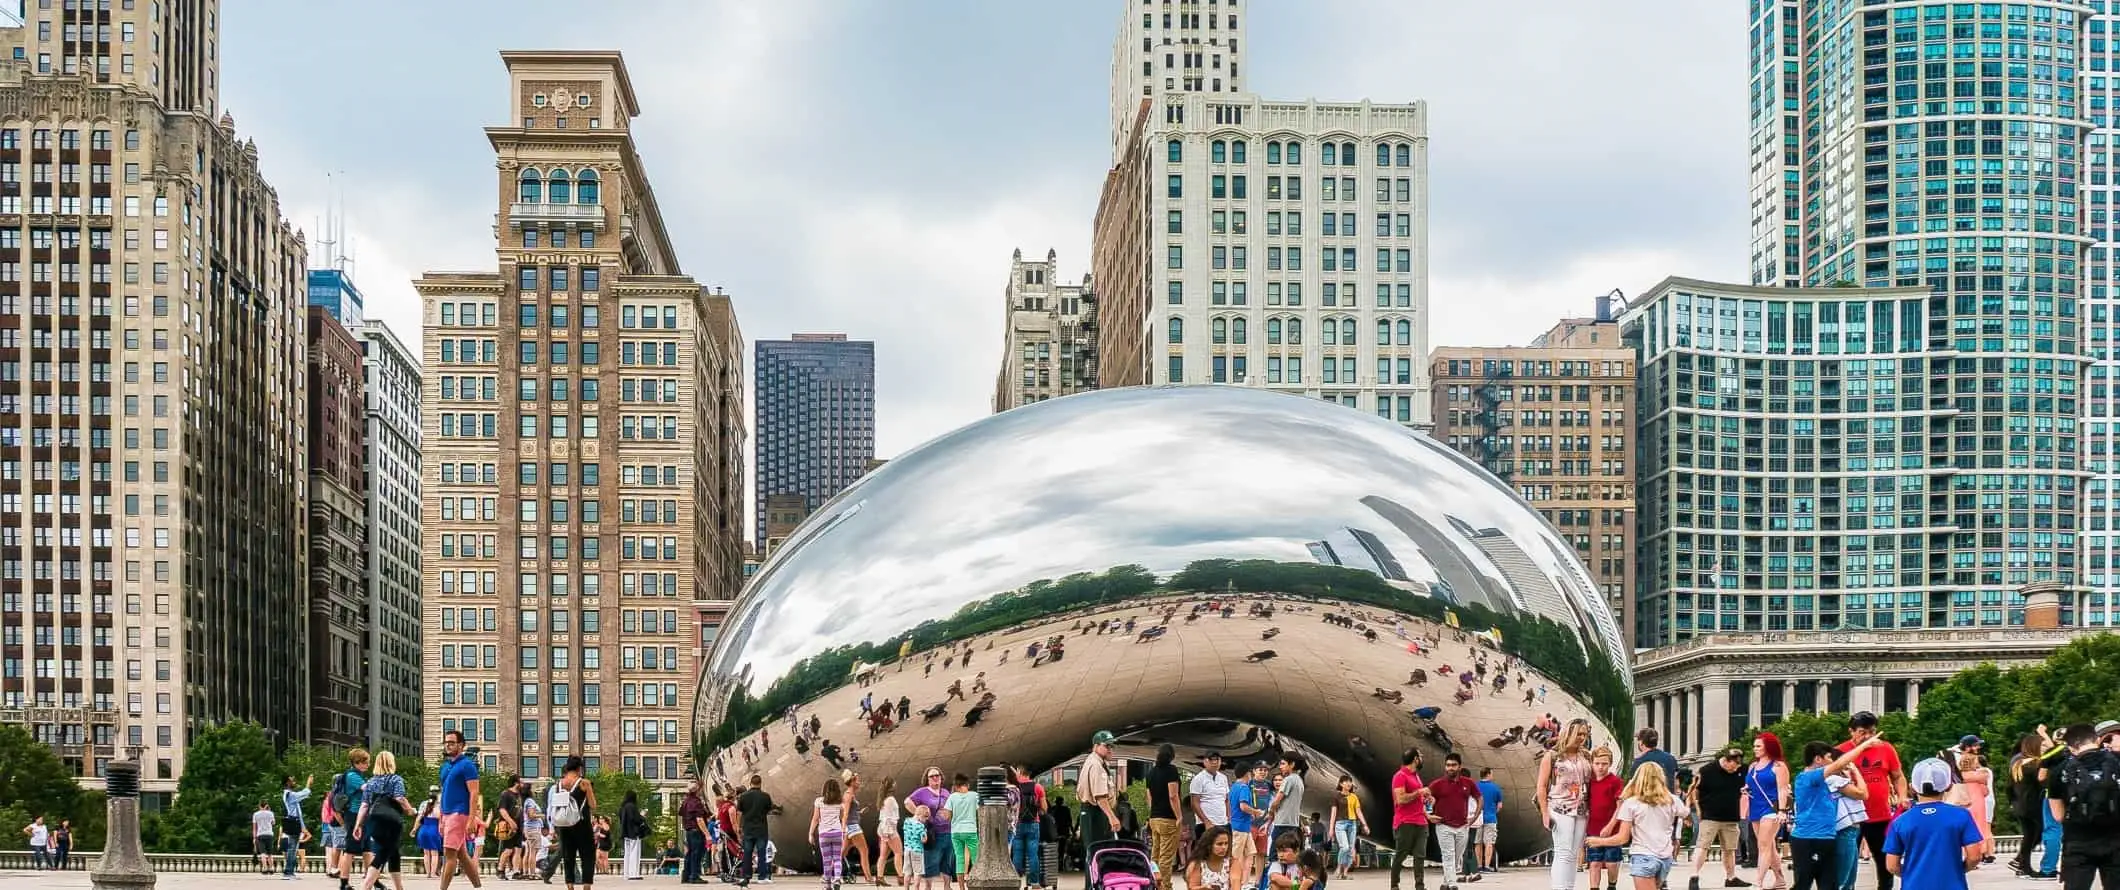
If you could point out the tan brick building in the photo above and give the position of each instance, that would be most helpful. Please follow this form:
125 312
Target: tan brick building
1554 420
582 409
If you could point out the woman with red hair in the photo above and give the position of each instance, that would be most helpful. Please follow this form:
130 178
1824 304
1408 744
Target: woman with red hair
1766 806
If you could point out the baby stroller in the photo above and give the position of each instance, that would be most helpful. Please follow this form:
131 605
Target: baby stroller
1120 865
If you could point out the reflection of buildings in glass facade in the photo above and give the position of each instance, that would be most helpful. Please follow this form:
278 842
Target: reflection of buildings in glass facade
1809 461
1944 150
2099 604
816 418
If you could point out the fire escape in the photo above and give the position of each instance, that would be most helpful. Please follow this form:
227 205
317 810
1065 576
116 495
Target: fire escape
1078 347
1492 448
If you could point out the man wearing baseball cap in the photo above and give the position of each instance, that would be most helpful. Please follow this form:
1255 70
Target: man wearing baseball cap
1095 789
1886 780
1933 844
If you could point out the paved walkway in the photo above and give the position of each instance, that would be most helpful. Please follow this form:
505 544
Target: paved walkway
1994 877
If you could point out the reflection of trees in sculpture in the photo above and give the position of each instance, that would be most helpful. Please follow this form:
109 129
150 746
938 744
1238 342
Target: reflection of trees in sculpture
1543 644
830 669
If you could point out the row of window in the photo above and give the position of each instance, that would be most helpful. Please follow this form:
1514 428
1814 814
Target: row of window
1289 369
1290 188
69 139
1337 332
1330 153
557 187
1222 257
1236 293
556 278
533 237
1223 222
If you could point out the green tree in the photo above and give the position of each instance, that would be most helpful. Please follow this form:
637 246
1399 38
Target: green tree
227 770
13 818
35 779
1802 728
611 789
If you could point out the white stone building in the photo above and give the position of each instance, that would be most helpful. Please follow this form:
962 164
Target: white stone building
1164 48
1284 244
1049 345
391 390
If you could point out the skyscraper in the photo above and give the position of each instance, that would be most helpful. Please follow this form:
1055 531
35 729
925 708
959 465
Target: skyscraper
1049 346
391 390
2097 603
1936 146
816 419
152 363
337 650
1193 48
589 374
1246 241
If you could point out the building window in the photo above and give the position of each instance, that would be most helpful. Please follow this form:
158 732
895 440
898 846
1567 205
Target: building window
1176 152
585 188
557 188
529 187
1177 330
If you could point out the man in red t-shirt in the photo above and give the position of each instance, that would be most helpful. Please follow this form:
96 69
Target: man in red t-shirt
1409 820
1880 769
1457 807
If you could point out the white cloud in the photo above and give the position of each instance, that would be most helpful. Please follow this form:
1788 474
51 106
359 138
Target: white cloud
929 292
1494 308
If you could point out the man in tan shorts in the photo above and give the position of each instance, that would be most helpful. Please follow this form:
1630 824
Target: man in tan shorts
1715 794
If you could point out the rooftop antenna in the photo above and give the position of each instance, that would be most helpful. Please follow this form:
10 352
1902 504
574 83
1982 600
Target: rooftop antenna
330 240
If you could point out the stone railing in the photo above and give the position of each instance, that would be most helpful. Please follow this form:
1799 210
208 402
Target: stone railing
201 863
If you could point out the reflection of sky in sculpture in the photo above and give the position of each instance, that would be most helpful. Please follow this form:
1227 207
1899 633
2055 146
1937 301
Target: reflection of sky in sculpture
1158 477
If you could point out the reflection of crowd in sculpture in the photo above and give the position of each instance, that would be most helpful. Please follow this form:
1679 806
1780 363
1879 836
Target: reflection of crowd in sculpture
1482 670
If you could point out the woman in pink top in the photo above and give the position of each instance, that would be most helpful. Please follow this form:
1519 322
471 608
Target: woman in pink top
1563 788
1978 782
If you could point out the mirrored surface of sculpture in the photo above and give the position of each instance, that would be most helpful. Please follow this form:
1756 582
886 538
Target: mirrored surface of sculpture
1219 567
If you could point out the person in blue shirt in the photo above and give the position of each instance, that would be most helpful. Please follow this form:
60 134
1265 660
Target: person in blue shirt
1933 844
293 835
1243 850
1814 831
1490 818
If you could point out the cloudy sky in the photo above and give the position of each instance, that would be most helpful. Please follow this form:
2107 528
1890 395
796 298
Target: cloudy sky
866 166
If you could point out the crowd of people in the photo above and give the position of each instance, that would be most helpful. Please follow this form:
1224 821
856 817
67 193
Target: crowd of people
367 812
1811 818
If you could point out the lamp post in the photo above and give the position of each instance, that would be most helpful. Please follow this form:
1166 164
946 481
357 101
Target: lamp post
123 865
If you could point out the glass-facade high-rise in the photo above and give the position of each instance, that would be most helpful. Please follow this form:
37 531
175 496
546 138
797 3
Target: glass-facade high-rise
1936 145
2098 604
815 417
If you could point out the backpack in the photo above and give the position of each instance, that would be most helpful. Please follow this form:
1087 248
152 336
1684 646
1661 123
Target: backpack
560 809
337 798
2093 782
